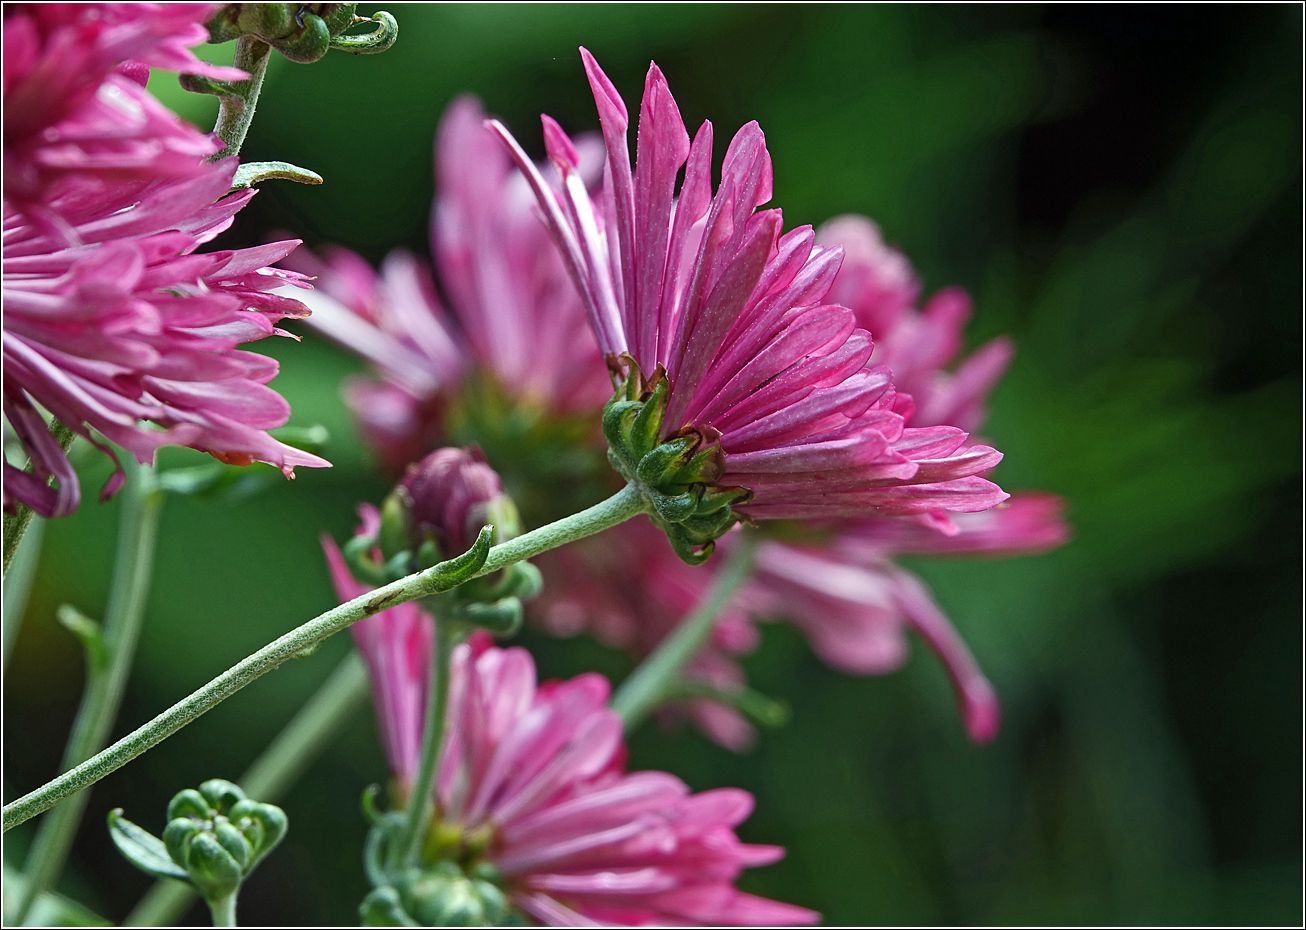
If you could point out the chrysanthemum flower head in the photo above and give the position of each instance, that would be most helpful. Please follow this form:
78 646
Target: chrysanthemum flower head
111 321
765 399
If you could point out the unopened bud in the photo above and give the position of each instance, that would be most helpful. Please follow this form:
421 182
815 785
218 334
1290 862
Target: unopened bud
445 499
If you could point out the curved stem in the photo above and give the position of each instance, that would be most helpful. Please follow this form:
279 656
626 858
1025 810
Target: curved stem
236 110
273 773
623 505
16 523
133 566
437 693
648 685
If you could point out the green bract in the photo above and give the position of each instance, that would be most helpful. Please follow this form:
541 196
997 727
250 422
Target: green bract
677 474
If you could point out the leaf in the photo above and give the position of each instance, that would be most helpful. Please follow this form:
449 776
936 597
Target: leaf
143 849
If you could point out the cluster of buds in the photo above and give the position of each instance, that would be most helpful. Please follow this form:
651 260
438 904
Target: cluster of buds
303 32
214 839
449 504
677 474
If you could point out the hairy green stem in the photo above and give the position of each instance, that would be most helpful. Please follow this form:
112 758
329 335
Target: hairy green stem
649 685
133 566
16 523
437 693
18 584
223 910
623 505
236 110
273 773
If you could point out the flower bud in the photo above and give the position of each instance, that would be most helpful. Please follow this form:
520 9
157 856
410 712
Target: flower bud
446 498
217 835
303 32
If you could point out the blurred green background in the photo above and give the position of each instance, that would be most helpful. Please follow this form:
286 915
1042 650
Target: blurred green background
1119 188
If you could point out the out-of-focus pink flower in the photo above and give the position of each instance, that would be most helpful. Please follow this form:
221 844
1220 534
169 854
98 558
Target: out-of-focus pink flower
579 841
396 647
704 288
76 113
855 605
847 595
878 283
125 324
508 288
515 313
630 591
395 321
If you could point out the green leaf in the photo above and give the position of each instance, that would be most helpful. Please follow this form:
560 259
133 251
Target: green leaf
143 849
255 172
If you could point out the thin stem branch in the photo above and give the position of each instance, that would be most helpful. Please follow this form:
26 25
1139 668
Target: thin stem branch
236 110
648 685
16 523
437 693
133 566
273 773
623 505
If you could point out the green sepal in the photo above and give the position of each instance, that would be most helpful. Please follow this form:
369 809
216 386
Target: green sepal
502 618
221 794
311 44
262 825
678 475
188 803
382 908
212 869
143 849
455 571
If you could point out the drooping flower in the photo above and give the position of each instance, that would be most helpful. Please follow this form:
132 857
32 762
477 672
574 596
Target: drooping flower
702 293
855 605
110 319
76 112
532 779
513 316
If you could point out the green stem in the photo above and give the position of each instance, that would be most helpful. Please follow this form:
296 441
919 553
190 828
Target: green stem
273 773
236 110
18 584
16 523
133 565
623 505
437 693
223 910
648 685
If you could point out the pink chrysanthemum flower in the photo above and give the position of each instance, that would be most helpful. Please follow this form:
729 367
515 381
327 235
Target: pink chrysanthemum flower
630 591
128 325
579 841
703 288
76 112
514 312
532 782
110 319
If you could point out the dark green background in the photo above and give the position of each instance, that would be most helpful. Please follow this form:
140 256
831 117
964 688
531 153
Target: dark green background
1120 189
